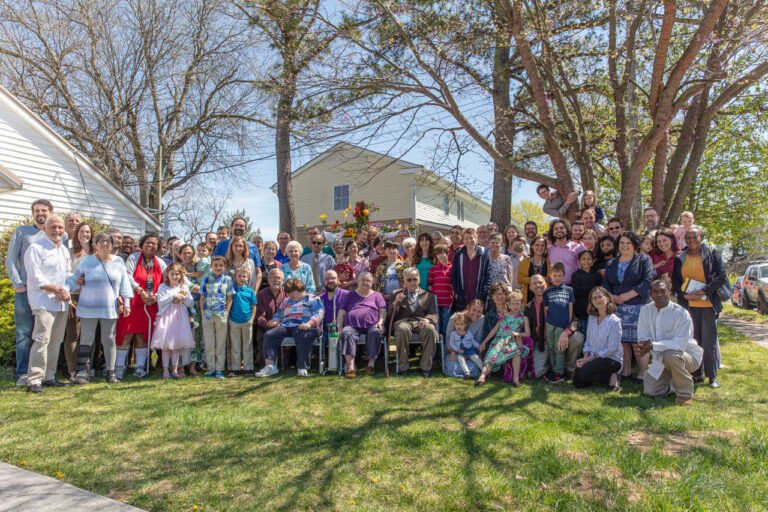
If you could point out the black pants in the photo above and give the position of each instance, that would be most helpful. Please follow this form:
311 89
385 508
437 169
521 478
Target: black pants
597 371
705 334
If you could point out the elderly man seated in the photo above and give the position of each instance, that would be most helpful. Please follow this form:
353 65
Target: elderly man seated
666 329
414 310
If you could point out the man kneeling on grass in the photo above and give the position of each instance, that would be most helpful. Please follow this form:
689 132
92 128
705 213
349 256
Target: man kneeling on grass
666 329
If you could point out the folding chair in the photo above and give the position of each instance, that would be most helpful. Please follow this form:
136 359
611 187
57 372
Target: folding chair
290 342
416 340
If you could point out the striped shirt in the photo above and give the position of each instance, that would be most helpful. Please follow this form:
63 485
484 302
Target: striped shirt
215 291
104 282
292 313
440 281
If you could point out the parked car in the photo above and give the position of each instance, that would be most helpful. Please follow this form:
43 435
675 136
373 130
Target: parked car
755 288
738 289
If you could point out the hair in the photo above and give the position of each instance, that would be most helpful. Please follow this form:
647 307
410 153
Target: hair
669 234
171 239
499 286
239 218
531 223
649 208
536 239
222 228
551 230
70 215
583 205
461 318
615 219
194 254
103 235
657 282
199 245
410 241
270 243
77 249
42 202
582 253
219 258
145 238
643 238
577 223
687 214
365 274
440 249
430 252
411 270
390 244
506 241
557 267
348 244
497 236
243 268
516 294
590 232
293 243
230 256
173 266
209 233
475 302
599 248
469 231
610 308
115 230
456 226
635 239
540 187
294 285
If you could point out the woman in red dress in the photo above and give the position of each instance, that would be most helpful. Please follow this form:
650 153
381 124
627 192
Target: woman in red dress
146 273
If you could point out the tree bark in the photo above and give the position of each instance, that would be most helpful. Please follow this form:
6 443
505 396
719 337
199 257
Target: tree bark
501 202
283 157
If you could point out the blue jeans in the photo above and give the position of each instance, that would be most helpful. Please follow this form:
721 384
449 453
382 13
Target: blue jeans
443 315
25 322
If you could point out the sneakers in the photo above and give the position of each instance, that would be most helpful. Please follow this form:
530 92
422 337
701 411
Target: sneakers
554 378
111 379
219 375
139 373
119 372
35 388
80 379
211 374
302 373
268 371
22 381
683 401
53 383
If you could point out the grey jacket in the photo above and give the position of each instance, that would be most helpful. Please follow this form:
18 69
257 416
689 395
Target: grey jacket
14 260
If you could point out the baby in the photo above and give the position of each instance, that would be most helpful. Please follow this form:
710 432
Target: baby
464 344
686 222
343 267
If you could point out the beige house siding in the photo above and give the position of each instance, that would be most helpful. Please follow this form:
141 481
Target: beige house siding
430 204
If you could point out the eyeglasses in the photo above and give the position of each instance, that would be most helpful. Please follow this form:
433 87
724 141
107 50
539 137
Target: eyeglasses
411 279
317 243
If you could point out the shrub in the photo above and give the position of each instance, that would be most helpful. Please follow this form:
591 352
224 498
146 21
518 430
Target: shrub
7 329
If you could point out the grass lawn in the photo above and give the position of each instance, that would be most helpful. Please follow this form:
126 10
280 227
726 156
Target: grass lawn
749 315
400 444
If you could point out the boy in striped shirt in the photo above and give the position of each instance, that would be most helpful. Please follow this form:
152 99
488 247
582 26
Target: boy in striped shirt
439 282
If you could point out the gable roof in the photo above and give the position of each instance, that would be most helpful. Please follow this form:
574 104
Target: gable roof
83 162
9 182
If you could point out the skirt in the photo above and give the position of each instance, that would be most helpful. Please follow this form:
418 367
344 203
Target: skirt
527 368
628 316
503 350
172 329
137 322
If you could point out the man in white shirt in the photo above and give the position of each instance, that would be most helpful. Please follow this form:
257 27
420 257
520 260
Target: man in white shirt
47 265
319 261
666 329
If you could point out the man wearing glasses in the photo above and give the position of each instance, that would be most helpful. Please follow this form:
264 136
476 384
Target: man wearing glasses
319 261
615 228
414 310
327 249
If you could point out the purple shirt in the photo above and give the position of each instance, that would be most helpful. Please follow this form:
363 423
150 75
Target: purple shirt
470 270
568 255
362 312
332 306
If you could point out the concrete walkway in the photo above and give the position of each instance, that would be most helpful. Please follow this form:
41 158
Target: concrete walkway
25 491
754 331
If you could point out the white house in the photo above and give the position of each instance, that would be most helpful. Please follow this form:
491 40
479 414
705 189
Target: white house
37 163
404 191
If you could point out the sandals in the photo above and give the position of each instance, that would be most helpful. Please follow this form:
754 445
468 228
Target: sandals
370 371
351 374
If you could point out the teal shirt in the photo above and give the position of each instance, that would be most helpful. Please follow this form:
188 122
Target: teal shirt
327 249
424 265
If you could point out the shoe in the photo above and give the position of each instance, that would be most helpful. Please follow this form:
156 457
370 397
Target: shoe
166 375
515 384
53 383
35 388
248 373
698 379
231 373
22 381
268 371
139 373
713 383
219 375
111 379
176 375
613 388
80 379
302 373
556 379
467 376
637 380
370 371
351 374
402 373
683 401
479 383
426 373
210 374
119 372
549 376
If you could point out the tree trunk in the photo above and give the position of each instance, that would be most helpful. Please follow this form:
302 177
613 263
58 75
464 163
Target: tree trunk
501 203
283 157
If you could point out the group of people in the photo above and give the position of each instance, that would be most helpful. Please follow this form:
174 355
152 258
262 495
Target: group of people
580 302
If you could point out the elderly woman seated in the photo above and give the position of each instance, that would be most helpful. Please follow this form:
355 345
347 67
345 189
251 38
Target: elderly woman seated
414 310
299 317
362 311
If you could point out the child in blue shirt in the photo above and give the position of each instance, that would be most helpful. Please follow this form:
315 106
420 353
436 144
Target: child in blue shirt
464 344
241 316
558 312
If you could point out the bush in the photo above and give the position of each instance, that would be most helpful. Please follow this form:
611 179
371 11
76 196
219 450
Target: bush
7 329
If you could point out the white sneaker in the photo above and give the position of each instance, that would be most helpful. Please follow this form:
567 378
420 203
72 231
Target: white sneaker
120 372
268 371
302 373
139 373
22 382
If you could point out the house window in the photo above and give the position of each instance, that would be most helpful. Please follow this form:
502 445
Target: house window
340 197
446 203
460 210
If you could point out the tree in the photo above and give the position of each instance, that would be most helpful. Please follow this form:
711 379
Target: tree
154 92
526 210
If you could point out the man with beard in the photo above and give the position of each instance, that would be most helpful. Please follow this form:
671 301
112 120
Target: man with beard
47 264
588 216
211 239
23 318
331 297
126 247
117 241
530 230
456 243
651 221
238 229
563 249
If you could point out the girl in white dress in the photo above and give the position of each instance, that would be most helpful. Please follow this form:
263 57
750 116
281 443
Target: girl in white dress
172 328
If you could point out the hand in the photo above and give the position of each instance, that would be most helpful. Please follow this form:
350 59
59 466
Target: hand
423 322
581 362
380 326
345 276
460 351
398 300
452 356
641 348
699 295
196 288
562 341
481 348
305 327
20 289
617 299
151 299
272 323
64 297
126 311
72 310
81 281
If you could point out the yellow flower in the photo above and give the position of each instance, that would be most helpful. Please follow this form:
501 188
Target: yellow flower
23 463
194 507
375 480
59 475
365 212
322 217
344 213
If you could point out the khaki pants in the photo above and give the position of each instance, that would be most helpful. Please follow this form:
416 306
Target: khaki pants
46 341
215 339
428 337
240 346
572 354
676 377
71 338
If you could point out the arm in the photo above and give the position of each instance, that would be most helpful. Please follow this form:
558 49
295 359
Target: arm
614 340
432 310
13 260
490 336
253 313
526 328
261 315
645 268
453 343
310 282
523 278
165 296
229 303
130 268
318 312
718 276
340 317
256 279
72 279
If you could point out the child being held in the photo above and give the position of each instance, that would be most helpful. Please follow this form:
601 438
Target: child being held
464 344
173 332
343 268
686 222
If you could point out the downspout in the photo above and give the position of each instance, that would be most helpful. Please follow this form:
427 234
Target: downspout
413 189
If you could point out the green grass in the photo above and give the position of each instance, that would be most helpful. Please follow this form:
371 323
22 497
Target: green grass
749 315
326 443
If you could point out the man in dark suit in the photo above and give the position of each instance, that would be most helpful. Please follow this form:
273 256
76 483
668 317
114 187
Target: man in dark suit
414 310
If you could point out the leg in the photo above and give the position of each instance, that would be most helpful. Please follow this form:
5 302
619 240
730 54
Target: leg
708 340
108 328
373 344
24 321
679 365
573 352
540 361
428 337
597 371
209 339
220 326
403 332
272 339
658 387
626 368
642 365
54 344
516 369
235 346
175 361
463 364
260 347
69 347
556 356
38 354
166 358
87 337
349 338
304 341
247 344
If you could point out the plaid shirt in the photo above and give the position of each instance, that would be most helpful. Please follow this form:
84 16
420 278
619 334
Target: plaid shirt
292 313
215 291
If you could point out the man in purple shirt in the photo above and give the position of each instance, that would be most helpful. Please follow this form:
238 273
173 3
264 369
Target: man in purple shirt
331 297
563 249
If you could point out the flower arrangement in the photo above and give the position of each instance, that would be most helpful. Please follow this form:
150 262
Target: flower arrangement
357 219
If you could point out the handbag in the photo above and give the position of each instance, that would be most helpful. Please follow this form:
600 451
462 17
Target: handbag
119 303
